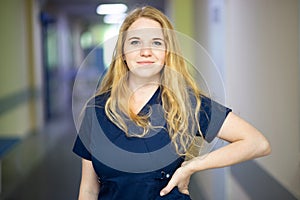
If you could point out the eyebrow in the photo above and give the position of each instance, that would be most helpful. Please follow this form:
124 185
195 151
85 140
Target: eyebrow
134 38
158 39
131 38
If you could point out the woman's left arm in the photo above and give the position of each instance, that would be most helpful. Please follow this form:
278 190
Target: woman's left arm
246 143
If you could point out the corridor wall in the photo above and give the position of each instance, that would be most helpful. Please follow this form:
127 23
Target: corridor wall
262 83
21 110
255 45
258 56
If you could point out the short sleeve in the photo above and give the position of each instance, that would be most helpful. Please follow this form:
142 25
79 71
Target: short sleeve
211 117
80 149
82 143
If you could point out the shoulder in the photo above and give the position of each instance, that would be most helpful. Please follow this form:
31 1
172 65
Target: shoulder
99 100
204 99
207 104
210 105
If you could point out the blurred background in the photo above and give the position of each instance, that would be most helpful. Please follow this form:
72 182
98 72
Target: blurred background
254 44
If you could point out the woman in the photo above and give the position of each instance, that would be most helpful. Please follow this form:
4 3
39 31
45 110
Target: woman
148 100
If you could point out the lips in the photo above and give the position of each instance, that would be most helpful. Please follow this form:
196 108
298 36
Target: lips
145 62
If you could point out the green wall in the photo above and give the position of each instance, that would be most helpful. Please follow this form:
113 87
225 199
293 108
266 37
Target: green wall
17 63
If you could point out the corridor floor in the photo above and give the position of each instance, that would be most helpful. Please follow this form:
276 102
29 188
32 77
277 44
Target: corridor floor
53 172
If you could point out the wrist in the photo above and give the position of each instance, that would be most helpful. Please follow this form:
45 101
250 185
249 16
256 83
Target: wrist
194 165
190 167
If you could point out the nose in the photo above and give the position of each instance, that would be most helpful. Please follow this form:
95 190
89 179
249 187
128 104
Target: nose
146 51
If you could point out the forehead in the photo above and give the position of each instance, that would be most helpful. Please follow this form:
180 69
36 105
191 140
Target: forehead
143 27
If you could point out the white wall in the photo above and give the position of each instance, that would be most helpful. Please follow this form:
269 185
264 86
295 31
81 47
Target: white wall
262 79
256 47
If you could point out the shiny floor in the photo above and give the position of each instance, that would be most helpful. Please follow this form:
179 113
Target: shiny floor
43 167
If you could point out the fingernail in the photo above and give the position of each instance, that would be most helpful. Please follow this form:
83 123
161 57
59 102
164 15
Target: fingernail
162 193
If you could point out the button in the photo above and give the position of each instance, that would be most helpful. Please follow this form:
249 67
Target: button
164 175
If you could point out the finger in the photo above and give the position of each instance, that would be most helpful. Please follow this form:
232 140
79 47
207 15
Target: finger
185 191
167 189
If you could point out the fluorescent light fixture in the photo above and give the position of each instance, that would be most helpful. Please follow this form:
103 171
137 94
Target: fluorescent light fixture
108 9
114 18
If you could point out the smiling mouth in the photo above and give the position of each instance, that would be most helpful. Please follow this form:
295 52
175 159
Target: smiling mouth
145 63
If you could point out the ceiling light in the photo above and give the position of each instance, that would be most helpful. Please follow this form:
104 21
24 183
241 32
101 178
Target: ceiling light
114 19
107 9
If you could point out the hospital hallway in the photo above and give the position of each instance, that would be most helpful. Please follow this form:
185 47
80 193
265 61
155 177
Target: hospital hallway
243 54
43 166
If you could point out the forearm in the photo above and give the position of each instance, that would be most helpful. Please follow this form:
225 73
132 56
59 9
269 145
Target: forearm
230 154
88 194
89 186
245 143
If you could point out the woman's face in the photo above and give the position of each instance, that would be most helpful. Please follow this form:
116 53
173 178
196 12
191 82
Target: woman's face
145 49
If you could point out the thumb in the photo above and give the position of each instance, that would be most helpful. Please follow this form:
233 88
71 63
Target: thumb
167 189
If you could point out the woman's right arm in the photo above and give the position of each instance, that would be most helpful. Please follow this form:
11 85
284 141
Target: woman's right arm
89 186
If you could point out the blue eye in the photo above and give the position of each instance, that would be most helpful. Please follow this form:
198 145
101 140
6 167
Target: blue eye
135 42
157 43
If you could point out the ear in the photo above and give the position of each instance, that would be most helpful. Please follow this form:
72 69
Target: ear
124 59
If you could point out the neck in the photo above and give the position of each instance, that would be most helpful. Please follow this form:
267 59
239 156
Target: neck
136 83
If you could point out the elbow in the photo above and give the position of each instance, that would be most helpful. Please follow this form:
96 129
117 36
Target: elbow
264 148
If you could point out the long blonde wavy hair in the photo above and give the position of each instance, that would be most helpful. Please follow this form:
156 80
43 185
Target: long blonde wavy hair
176 87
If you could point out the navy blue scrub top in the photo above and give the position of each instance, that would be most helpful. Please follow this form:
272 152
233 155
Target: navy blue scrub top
118 181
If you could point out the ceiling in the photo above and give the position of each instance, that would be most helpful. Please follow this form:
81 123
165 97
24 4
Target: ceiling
85 10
